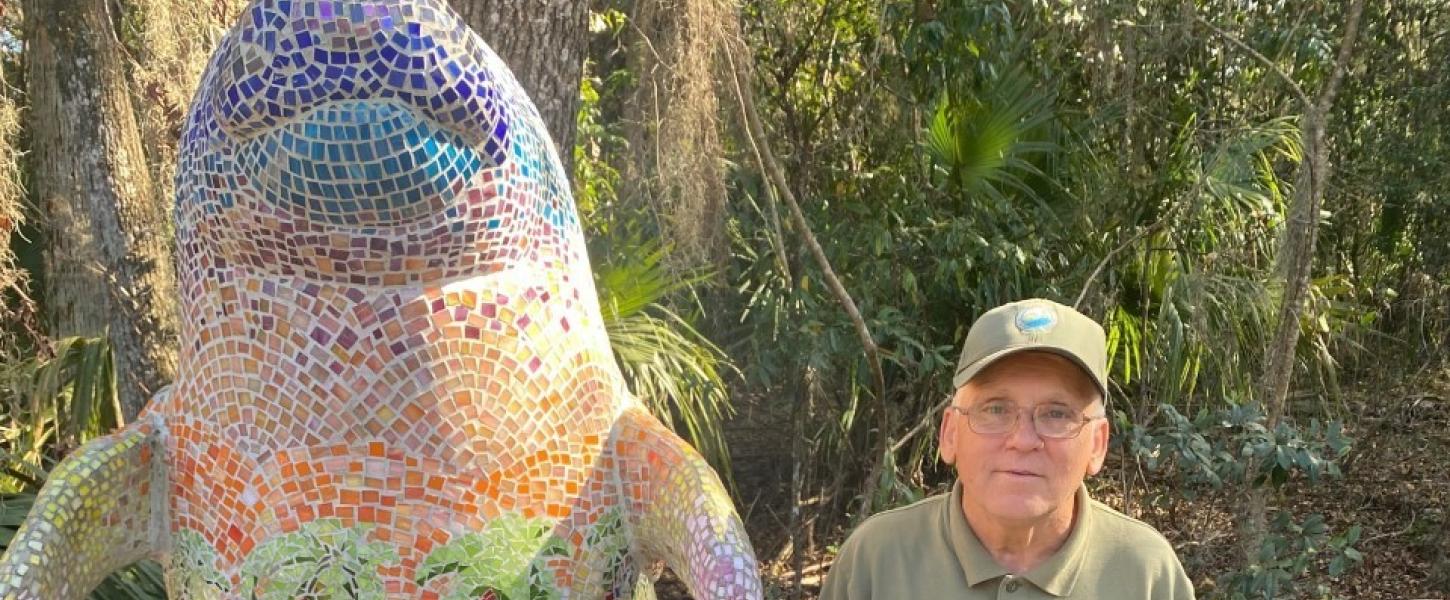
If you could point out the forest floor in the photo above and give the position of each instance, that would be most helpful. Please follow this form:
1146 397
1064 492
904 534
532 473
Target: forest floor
1395 486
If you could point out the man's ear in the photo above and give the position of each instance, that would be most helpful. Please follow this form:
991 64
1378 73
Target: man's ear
1099 429
947 436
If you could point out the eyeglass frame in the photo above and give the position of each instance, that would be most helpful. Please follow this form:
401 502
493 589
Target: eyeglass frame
1017 411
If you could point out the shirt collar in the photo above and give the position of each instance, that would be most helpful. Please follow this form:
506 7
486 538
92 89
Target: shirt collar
1057 575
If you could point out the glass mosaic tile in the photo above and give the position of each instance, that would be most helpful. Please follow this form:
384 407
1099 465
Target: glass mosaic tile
394 380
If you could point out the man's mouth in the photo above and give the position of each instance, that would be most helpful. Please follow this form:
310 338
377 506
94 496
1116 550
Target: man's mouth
1018 473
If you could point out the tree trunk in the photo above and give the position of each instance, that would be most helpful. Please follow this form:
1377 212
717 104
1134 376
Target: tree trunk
108 262
544 43
1296 259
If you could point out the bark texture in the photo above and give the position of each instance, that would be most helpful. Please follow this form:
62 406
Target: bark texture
544 43
108 262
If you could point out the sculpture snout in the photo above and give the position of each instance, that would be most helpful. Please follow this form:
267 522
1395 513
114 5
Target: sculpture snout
287 57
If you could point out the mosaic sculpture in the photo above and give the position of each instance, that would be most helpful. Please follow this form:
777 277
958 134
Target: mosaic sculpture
394 379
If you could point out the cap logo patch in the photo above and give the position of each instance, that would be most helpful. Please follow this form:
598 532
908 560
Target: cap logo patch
1036 319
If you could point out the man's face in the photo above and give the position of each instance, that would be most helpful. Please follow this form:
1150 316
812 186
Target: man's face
1020 477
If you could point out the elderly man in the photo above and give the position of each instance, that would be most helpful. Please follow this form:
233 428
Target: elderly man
1027 424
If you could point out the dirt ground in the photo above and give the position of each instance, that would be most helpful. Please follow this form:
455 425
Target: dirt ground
1395 485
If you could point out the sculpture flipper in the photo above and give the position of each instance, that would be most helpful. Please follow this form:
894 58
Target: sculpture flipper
97 513
680 513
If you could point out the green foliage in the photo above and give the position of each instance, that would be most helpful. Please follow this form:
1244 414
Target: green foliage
322 559
1220 448
53 405
507 561
1291 551
668 363
1217 448
142 581
982 140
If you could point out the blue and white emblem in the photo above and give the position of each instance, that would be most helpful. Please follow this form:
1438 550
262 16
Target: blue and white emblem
1036 319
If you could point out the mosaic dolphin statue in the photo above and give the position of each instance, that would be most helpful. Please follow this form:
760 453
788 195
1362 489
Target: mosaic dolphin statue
394 380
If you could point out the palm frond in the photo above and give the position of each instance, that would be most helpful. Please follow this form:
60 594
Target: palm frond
665 360
53 405
982 140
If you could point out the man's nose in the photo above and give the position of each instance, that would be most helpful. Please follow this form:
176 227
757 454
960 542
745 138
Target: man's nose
1023 435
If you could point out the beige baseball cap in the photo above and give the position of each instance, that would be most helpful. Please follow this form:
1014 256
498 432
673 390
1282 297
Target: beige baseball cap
1035 324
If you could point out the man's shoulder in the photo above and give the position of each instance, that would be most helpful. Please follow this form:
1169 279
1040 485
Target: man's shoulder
892 523
1125 550
1127 535
894 544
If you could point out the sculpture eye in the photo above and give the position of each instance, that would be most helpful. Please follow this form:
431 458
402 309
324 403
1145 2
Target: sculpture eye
360 163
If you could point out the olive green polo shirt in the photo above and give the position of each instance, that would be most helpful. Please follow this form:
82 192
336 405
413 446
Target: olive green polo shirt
927 550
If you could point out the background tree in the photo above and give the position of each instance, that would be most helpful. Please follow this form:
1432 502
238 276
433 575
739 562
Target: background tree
544 44
108 260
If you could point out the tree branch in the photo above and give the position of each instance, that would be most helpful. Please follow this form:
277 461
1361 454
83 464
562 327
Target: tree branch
1341 62
921 425
1087 285
745 91
1293 85
1297 258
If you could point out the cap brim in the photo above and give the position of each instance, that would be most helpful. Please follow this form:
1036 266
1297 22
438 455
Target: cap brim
966 374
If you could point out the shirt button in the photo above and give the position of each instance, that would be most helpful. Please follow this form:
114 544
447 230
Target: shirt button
1012 585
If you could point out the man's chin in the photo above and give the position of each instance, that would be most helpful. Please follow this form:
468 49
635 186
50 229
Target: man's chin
1009 508
1017 501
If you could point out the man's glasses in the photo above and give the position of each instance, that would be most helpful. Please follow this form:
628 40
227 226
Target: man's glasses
999 417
